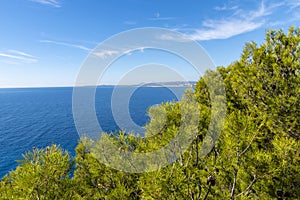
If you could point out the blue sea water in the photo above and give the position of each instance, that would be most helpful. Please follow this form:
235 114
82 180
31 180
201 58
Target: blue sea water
38 117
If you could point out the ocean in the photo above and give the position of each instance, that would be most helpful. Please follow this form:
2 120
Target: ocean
38 117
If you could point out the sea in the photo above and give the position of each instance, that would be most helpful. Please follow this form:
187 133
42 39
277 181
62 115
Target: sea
38 117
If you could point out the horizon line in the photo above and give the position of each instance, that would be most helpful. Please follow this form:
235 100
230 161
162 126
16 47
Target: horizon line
105 85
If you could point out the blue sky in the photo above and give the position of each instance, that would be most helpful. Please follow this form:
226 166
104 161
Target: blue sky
44 42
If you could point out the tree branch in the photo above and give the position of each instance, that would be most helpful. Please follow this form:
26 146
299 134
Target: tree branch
246 149
208 191
233 185
249 186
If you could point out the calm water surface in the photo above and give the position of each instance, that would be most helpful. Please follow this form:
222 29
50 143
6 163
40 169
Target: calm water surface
39 116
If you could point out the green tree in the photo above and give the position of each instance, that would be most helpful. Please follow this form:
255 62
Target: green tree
256 155
42 174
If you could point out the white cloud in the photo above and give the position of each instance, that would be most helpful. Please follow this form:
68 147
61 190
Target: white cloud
223 29
241 21
126 51
158 18
67 44
174 37
20 53
105 53
293 15
53 3
141 49
293 3
162 18
225 7
17 57
263 11
130 51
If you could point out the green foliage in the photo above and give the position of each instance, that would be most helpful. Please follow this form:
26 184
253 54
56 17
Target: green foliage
98 181
256 156
42 174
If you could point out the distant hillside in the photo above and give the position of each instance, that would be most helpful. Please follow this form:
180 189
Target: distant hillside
170 84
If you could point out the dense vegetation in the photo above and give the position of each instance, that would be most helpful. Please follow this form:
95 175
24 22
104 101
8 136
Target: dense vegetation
256 157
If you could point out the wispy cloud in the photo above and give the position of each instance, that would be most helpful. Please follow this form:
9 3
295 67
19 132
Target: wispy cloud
53 3
20 53
226 7
223 29
162 18
67 45
289 7
293 3
174 37
106 53
241 21
18 57
263 11
159 18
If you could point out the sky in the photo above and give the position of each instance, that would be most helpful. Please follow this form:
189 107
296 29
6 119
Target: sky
44 43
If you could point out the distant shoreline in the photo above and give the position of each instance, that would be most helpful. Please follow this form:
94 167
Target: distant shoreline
145 85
